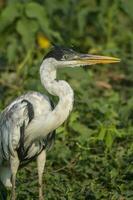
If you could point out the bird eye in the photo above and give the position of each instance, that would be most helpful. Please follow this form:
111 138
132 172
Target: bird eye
65 57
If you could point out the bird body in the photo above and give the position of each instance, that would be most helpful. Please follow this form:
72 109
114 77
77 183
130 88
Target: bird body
27 125
13 119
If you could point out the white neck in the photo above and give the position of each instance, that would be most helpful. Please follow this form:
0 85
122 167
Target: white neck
57 88
48 78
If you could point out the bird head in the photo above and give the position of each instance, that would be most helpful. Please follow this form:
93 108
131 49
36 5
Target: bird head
66 57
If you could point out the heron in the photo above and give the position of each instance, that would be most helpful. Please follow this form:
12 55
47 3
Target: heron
28 124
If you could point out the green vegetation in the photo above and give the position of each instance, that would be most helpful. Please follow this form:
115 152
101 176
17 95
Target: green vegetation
92 158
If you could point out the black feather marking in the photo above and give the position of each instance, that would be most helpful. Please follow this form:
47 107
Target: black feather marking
47 143
30 110
49 140
52 104
21 143
21 150
58 52
55 53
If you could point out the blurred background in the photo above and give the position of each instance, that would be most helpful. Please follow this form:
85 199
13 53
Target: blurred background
92 158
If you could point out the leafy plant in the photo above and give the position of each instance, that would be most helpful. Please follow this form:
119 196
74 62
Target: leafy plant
92 156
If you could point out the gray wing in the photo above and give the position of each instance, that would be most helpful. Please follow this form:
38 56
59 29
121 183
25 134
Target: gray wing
12 122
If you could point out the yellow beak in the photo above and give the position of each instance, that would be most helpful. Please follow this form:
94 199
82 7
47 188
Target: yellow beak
88 59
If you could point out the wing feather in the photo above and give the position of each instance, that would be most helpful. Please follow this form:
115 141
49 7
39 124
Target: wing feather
11 121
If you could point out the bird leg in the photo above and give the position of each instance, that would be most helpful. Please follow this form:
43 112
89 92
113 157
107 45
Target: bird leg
41 159
14 161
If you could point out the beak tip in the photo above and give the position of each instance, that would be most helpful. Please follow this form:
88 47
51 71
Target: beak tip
117 60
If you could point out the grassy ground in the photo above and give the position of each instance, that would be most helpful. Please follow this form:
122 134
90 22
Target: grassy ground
92 158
